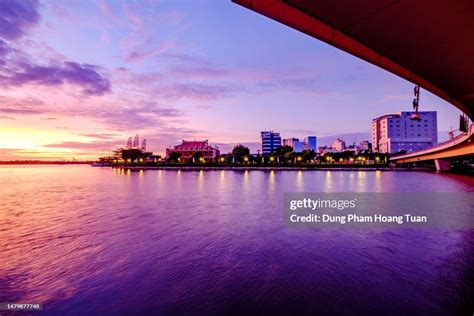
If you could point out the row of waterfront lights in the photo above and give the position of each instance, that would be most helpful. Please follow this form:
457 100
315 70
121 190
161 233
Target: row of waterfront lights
275 159
270 159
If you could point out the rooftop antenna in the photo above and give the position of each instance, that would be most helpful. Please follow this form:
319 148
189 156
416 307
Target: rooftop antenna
416 103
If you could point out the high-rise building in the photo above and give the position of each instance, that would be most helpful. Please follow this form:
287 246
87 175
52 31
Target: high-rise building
311 143
290 142
269 141
395 132
298 146
338 145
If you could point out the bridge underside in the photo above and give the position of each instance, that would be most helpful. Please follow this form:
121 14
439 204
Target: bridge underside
427 42
458 152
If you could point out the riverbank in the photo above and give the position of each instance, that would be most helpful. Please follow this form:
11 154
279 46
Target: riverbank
268 168
43 162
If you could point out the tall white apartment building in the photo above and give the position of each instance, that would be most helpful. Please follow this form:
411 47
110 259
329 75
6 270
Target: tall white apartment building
395 132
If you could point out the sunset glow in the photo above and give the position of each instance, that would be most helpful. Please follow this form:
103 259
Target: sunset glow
78 79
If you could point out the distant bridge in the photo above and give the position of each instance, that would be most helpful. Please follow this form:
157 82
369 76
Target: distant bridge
442 154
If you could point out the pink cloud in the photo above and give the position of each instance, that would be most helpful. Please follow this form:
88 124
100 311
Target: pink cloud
138 54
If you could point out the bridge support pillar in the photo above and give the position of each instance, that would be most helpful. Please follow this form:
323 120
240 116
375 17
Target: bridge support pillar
443 164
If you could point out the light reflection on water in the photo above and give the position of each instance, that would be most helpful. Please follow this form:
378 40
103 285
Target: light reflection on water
103 241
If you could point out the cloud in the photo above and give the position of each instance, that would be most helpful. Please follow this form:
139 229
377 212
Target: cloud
119 112
107 12
17 17
199 71
173 17
194 90
195 77
3 117
4 51
139 53
100 136
25 106
17 68
87 146
146 114
142 41
84 75
25 111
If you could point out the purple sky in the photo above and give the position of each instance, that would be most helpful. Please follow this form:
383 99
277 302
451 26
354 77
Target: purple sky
79 77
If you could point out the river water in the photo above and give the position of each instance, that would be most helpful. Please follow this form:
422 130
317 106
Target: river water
101 241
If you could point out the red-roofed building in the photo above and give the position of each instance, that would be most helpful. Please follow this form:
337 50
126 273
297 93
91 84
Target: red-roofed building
188 148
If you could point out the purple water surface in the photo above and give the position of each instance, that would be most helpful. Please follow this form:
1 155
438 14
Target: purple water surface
100 241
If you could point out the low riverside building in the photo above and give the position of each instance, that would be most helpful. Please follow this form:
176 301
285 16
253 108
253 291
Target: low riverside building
309 143
339 145
325 149
365 145
188 149
294 143
290 142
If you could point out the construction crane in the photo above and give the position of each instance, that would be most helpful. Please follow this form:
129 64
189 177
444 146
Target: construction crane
136 141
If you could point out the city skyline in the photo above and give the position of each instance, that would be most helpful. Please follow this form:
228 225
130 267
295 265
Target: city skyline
78 78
